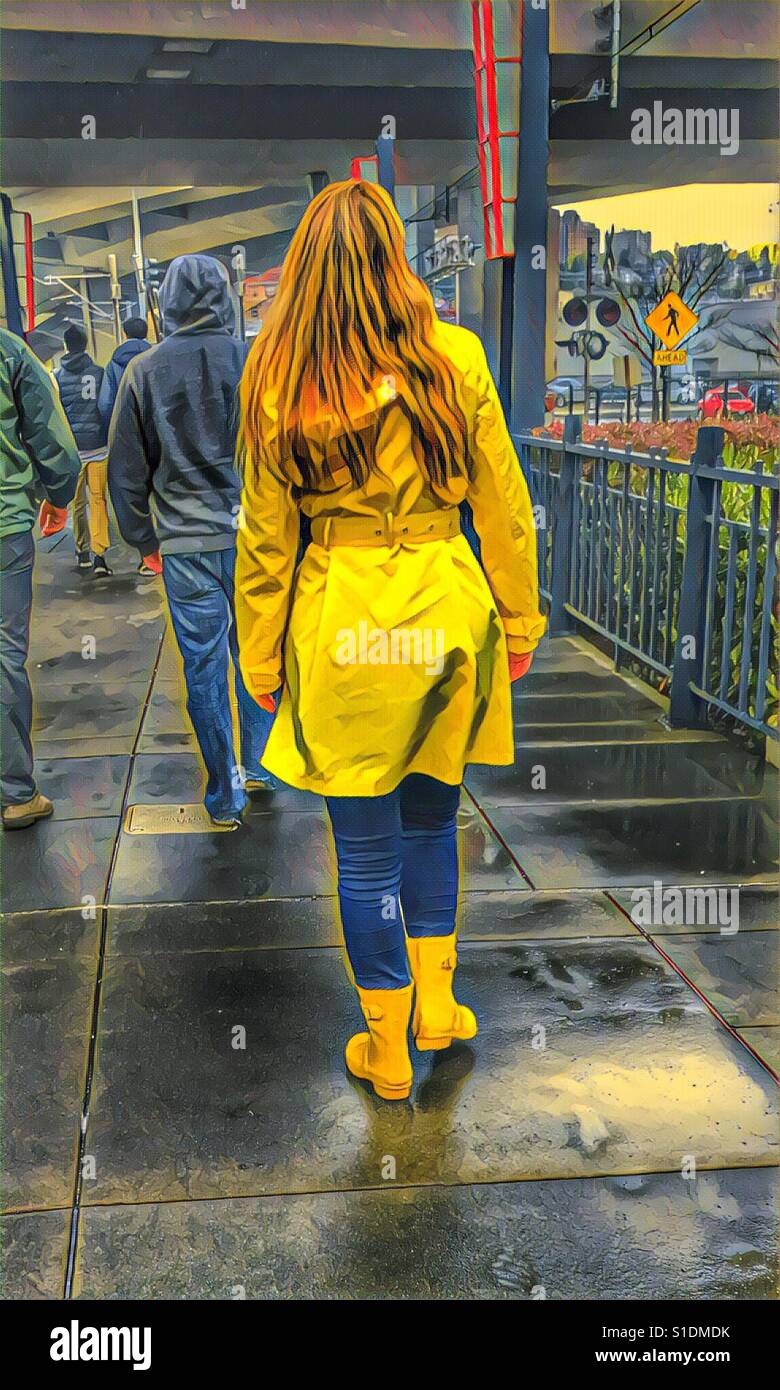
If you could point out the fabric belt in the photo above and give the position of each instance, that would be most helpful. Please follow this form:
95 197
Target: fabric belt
440 525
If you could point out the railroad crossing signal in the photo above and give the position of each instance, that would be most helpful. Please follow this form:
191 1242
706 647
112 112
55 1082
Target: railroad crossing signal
575 311
586 342
671 320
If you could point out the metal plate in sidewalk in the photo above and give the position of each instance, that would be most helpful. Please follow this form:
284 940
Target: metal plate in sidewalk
159 819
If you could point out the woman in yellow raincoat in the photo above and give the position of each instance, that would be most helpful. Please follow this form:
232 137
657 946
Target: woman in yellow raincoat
394 649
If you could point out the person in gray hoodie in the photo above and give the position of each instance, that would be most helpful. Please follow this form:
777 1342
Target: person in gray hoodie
174 486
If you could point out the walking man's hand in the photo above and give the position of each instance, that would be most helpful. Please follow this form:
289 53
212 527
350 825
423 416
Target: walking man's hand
268 701
519 664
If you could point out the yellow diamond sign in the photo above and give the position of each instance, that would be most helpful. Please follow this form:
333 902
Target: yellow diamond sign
671 320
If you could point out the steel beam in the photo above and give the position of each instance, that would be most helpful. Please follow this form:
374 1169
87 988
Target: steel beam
530 290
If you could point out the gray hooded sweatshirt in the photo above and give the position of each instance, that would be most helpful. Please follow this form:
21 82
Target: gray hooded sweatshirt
172 442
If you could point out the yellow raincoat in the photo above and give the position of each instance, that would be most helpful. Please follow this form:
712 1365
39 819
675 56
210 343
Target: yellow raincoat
393 656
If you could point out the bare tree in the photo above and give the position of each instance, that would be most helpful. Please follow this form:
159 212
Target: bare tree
760 339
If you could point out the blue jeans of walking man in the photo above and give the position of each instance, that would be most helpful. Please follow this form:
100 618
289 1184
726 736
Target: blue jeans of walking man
199 587
17 784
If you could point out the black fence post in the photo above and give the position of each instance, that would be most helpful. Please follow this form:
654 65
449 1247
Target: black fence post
687 710
563 530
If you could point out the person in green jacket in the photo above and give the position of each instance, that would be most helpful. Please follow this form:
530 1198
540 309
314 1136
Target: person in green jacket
38 461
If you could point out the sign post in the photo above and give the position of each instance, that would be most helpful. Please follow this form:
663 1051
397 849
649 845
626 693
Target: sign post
116 296
138 253
626 373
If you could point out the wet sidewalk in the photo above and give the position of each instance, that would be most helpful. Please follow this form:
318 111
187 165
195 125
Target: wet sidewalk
611 1131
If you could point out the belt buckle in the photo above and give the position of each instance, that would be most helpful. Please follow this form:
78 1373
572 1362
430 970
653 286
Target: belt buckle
394 531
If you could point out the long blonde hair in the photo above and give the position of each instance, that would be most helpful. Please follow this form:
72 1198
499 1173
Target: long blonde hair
349 313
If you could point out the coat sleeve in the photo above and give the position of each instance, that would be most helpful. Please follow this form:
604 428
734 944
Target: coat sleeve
132 458
45 431
107 394
503 516
266 552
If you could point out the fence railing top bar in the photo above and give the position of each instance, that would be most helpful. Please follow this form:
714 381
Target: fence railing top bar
723 474
588 484
539 441
745 527
604 451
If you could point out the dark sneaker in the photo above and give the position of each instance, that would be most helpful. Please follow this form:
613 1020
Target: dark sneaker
143 568
83 560
233 822
100 569
19 817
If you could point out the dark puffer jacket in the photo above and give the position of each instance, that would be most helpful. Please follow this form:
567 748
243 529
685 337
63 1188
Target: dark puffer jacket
79 380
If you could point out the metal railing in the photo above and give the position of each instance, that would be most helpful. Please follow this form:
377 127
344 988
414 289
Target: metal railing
674 563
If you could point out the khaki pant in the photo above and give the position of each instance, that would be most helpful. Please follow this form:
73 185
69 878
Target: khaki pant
90 495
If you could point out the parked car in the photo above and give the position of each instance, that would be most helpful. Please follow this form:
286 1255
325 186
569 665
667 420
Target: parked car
611 397
739 403
610 392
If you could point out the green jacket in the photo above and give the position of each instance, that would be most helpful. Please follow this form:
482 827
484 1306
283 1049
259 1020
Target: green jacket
38 455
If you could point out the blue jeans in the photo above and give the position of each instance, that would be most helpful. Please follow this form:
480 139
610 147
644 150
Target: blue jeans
17 783
199 587
396 853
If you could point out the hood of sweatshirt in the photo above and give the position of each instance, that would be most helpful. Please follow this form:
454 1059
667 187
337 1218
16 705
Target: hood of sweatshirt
128 350
196 297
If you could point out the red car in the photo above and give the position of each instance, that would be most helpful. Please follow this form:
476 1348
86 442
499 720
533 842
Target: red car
739 403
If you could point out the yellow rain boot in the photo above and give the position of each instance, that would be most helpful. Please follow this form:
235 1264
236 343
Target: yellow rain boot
438 1017
381 1055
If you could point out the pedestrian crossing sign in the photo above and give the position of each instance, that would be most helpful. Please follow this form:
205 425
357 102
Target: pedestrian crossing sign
671 320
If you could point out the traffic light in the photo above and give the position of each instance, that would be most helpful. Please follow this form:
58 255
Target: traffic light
607 312
575 312
155 273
